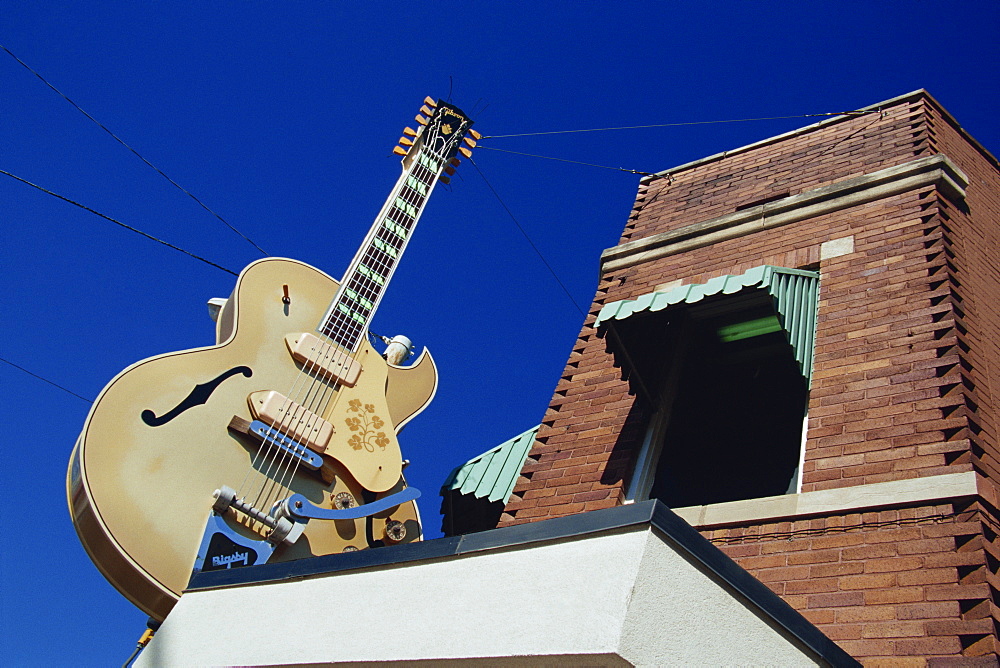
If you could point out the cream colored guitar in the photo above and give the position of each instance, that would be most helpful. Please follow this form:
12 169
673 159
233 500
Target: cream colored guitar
279 442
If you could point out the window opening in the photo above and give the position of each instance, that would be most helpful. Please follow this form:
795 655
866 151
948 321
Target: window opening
734 429
726 366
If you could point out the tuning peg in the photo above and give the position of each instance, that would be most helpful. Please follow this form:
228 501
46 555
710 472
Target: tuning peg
444 179
399 150
430 102
426 111
409 132
468 141
475 135
406 141
464 151
455 162
420 119
449 170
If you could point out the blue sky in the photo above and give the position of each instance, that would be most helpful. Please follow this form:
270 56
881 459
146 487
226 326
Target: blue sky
281 118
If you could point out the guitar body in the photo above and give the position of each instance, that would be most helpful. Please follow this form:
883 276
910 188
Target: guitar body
155 445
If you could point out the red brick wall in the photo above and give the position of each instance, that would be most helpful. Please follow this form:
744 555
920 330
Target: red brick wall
972 242
912 582
886 380
907 356
853 147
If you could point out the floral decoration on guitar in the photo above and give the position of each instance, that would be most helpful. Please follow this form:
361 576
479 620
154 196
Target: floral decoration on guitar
369 437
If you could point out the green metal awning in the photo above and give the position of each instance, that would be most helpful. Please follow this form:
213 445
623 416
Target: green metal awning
493 474
794 292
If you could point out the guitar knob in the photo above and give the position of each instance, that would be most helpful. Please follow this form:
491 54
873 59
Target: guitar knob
395 531
343 501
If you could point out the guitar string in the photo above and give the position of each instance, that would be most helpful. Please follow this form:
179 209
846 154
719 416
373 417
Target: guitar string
274 455
364 287
268 449
318 405
344 325
273 458
307 396
368 289
382 262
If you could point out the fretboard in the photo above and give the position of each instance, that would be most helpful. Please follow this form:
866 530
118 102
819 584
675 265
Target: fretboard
364 282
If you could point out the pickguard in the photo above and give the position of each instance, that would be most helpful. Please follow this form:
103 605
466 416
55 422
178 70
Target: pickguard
198 396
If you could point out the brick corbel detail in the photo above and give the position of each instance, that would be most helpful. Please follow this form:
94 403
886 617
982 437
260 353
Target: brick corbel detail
935 170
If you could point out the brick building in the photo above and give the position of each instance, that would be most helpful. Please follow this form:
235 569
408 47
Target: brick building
795 346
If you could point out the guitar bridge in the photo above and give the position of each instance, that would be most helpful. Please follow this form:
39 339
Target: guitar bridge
260 432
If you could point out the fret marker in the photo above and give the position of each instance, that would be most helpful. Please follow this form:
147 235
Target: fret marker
417 185
406 207
373 275
429 162
396 229
385 248
358 298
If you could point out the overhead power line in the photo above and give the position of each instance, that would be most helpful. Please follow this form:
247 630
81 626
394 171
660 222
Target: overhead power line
857 112
118 222
134 152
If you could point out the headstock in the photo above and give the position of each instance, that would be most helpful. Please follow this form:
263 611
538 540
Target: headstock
443 132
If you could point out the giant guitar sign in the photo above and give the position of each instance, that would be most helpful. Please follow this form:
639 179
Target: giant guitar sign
279 442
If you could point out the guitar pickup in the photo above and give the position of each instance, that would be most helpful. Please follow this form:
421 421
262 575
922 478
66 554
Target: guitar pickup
323 359
294 421
262 433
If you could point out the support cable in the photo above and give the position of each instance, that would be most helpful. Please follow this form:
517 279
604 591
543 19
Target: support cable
46 380
857 112
576 162
118 222
530 242
136 153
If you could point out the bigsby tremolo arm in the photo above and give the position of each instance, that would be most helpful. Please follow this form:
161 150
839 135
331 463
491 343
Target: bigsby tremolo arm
289 517
298 508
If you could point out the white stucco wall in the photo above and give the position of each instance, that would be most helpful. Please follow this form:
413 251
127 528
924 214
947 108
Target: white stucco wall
592 599
678 616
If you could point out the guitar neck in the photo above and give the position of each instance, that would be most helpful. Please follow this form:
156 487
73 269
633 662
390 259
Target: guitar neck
364 283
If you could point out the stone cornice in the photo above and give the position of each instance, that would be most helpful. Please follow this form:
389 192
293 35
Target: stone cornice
936 170
892 494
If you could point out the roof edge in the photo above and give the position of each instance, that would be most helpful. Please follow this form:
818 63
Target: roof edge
646 516
906 97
